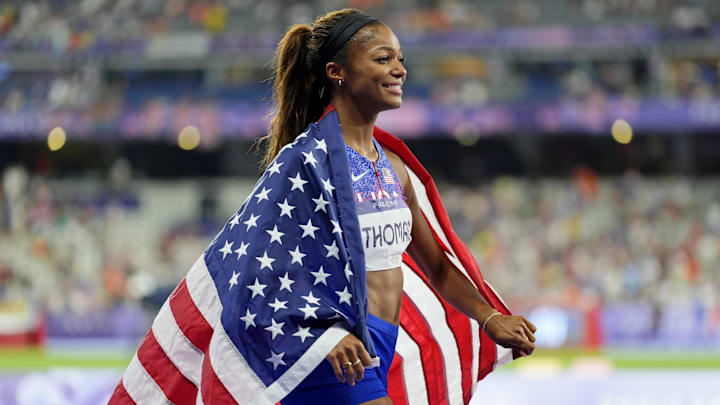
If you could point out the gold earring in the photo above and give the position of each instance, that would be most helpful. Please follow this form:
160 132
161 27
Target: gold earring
340 83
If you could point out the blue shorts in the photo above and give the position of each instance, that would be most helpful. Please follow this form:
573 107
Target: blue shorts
322 386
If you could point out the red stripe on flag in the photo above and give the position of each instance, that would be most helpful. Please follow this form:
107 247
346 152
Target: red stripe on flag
190 320
488 353
120 396
460 325
396 382
177 388
433 367
213 391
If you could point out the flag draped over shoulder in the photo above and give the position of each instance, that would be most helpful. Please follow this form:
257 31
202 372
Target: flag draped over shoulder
284 281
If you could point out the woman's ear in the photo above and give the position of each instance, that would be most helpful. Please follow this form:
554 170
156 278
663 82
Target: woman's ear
334 71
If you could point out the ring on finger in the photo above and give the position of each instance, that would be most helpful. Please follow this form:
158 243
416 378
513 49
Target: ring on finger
356 362
347 364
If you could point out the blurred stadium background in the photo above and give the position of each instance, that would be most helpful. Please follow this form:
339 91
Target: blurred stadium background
575 144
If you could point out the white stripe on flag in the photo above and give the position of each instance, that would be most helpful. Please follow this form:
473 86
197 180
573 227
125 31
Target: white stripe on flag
202 290
140 386
314 355
503 356
231 368
412 369
427 209
428 304
186 357
475 330
496 294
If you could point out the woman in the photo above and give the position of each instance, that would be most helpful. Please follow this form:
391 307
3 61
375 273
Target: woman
354 64
308 269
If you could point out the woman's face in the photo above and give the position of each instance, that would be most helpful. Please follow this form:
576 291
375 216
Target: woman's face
375 74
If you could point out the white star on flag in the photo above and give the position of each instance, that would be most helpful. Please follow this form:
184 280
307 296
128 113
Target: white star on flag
257 288
227 249
275 235
251 222
309 158
320 276
274 168
235 220
297 255
265 261
344 295
298 182
286 282
336 227
348 272
242 250
320 203
308 229
263 195
309 311
320 144
311 299
249 319
328 187
278 305
276 359
303 333
275 328
233 280
286 209
333 250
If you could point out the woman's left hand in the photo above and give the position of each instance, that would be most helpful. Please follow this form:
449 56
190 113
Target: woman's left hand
512 332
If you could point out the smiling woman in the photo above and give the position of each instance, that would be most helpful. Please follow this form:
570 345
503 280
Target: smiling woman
301 297
352 65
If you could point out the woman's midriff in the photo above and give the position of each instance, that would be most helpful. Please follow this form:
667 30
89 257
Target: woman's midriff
385 294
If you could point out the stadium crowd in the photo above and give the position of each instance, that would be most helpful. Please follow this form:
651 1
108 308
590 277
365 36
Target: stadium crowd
580 243
86 36
77 25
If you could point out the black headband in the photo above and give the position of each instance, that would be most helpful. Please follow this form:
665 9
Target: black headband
340 34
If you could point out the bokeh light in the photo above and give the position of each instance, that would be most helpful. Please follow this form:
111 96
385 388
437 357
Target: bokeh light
189 138
56 139
467 133
622 131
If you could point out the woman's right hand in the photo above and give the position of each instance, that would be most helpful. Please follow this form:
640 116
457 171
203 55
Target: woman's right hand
349 349
512 332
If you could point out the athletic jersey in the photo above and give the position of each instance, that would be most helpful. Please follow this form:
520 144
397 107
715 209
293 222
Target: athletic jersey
385 219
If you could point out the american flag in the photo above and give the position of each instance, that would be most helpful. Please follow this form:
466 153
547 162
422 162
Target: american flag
283 282
387 176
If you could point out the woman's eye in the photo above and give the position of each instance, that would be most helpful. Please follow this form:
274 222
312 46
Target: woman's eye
386 59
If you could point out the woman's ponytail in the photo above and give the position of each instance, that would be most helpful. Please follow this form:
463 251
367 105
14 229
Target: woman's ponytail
292 100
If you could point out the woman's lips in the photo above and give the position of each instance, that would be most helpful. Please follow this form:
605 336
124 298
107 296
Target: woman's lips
394 88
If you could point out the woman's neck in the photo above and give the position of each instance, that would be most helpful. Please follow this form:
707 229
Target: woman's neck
357 127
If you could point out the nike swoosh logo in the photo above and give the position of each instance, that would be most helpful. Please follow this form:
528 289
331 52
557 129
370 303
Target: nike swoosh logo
358 177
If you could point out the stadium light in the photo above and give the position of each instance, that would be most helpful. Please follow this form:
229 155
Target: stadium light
622 131
56 139
189 138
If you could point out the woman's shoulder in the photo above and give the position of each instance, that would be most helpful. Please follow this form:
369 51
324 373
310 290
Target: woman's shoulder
397 163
